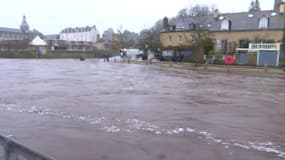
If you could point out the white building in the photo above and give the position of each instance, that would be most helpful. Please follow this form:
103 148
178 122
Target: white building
83 34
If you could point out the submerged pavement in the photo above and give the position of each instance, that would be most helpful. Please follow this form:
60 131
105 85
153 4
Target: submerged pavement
89 110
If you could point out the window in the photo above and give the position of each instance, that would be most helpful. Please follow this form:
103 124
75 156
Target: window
170 39
263 23
244 43
180 38
226 25
219 45
224 46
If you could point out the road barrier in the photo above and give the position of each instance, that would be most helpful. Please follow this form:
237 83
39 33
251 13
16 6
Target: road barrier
13 150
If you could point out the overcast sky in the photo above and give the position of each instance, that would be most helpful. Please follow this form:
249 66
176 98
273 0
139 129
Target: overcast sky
51 16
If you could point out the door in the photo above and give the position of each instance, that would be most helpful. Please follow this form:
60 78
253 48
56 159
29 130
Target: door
242 58
268 57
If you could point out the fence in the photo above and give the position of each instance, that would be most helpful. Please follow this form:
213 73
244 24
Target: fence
13 150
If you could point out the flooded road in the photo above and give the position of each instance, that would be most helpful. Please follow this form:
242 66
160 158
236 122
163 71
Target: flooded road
92 110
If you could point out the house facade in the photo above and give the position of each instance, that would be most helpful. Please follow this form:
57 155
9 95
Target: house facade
80 34
228 31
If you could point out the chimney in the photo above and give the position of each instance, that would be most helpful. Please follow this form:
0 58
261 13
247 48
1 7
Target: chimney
216 14
165 24
281 7
276 4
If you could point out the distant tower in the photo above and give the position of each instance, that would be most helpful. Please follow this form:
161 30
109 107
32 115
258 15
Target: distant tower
24 26
165 24
257 5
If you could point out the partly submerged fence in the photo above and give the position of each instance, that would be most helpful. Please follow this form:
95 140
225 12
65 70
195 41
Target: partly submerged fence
13 150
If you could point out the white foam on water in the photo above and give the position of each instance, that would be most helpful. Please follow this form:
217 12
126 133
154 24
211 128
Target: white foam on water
180 129
217 140
112 129
143 125
191 130
241 146
83 118
136 124
169 132
267 148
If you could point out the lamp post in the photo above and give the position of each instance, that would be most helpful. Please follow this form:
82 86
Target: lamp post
146 52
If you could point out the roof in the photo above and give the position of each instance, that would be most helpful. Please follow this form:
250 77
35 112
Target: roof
250 20
37 41
10 30
78 29
242 21
14 30
51 37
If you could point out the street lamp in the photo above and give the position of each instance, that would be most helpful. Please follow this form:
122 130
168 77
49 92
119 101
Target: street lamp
146 52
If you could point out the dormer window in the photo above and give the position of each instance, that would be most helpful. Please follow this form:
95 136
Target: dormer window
221 18
250 16
226 25
172 28
263 23
273 14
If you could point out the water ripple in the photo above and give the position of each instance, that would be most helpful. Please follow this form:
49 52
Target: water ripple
130 125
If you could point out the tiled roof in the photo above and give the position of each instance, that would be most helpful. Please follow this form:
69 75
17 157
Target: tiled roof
78 29
13 30
51 37
9 30
240 21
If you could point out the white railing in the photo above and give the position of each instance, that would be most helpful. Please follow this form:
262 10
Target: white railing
16 151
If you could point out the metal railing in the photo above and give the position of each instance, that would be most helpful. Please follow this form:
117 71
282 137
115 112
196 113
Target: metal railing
13 150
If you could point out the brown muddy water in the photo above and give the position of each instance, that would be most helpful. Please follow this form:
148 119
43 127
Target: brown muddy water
89 110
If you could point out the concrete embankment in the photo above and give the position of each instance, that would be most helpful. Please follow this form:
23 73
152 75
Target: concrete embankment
252 70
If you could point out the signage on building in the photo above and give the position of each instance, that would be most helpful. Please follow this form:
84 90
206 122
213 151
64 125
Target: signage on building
265 46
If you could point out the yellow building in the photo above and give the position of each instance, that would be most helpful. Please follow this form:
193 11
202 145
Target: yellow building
228 31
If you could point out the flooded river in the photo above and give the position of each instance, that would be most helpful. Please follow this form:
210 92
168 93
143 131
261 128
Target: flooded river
91 110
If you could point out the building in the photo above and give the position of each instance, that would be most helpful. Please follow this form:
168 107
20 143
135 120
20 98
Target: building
12 39
228 31
23 33
108 35
83 34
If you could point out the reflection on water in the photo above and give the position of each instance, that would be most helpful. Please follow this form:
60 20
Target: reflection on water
231 110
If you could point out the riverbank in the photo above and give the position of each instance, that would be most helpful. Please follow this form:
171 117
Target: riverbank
58 54
252 70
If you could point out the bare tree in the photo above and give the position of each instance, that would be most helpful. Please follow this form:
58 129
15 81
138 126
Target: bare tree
200 36
151 37
183 13
120 36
